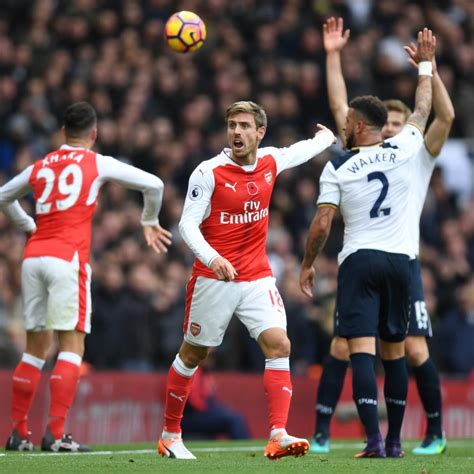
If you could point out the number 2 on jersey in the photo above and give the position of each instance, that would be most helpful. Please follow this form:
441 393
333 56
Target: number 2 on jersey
376 211
70 190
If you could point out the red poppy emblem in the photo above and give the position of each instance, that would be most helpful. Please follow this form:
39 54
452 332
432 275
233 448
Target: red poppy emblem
252 188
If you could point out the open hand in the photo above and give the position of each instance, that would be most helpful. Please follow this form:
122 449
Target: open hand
412 51
425 50
333 37
322 129
157 238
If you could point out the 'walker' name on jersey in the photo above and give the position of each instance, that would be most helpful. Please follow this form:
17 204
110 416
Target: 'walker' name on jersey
362 162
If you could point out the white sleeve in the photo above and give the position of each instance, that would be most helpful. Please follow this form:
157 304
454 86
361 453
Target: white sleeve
197 207
111 169
329 191
302 151
409 140
20 218
16 188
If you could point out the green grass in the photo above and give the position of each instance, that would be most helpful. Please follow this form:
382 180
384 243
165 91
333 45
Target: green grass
237 457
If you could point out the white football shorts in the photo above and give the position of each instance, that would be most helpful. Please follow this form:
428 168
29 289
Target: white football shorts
56 294
211 303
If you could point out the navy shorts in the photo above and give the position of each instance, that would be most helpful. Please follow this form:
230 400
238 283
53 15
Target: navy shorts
420 324
373 296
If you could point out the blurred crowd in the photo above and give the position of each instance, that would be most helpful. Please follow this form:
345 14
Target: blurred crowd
164 113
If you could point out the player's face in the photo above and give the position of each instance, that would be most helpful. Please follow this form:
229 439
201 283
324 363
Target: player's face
243 135
394 124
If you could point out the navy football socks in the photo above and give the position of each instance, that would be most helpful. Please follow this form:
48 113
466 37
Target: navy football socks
395 391
329 391
427 381
364 391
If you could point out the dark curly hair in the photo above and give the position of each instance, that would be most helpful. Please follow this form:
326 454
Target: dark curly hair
371 109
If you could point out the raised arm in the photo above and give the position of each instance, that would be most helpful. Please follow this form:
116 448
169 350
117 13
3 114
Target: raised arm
334 40
423 97
438 131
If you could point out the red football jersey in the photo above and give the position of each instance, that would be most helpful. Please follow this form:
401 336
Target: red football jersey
61 185
227 206
238 222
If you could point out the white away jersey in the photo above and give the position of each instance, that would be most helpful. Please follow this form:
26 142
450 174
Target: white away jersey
372 187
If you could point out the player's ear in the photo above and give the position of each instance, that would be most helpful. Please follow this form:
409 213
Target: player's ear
261 133
93 135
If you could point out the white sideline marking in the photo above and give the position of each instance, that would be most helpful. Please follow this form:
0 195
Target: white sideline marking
219 449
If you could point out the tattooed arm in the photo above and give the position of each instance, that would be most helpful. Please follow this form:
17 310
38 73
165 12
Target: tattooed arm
318 234
423 97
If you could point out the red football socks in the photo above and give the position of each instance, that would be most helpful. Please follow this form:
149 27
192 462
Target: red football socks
278 389
177 391
63 385
25 381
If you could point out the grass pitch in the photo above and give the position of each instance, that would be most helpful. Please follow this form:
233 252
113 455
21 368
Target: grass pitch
237 457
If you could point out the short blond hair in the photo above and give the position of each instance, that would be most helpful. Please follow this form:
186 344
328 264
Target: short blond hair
246 106
395 105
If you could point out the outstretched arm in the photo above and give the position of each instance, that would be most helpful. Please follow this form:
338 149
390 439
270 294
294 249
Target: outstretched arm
334 40
423 98
318 234
438 131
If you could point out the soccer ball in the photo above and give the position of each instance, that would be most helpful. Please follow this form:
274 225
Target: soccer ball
185 32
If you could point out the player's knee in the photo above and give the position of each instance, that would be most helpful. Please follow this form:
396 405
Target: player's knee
280 347
192 356
340 348
416 351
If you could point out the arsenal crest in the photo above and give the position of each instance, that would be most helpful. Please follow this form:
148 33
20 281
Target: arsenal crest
195 329
252 188
268 177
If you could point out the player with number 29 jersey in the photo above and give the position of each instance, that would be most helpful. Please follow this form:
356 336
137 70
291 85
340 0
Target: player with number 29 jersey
66 185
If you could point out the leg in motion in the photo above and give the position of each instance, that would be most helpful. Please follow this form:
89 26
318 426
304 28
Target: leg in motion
178 386
277 383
